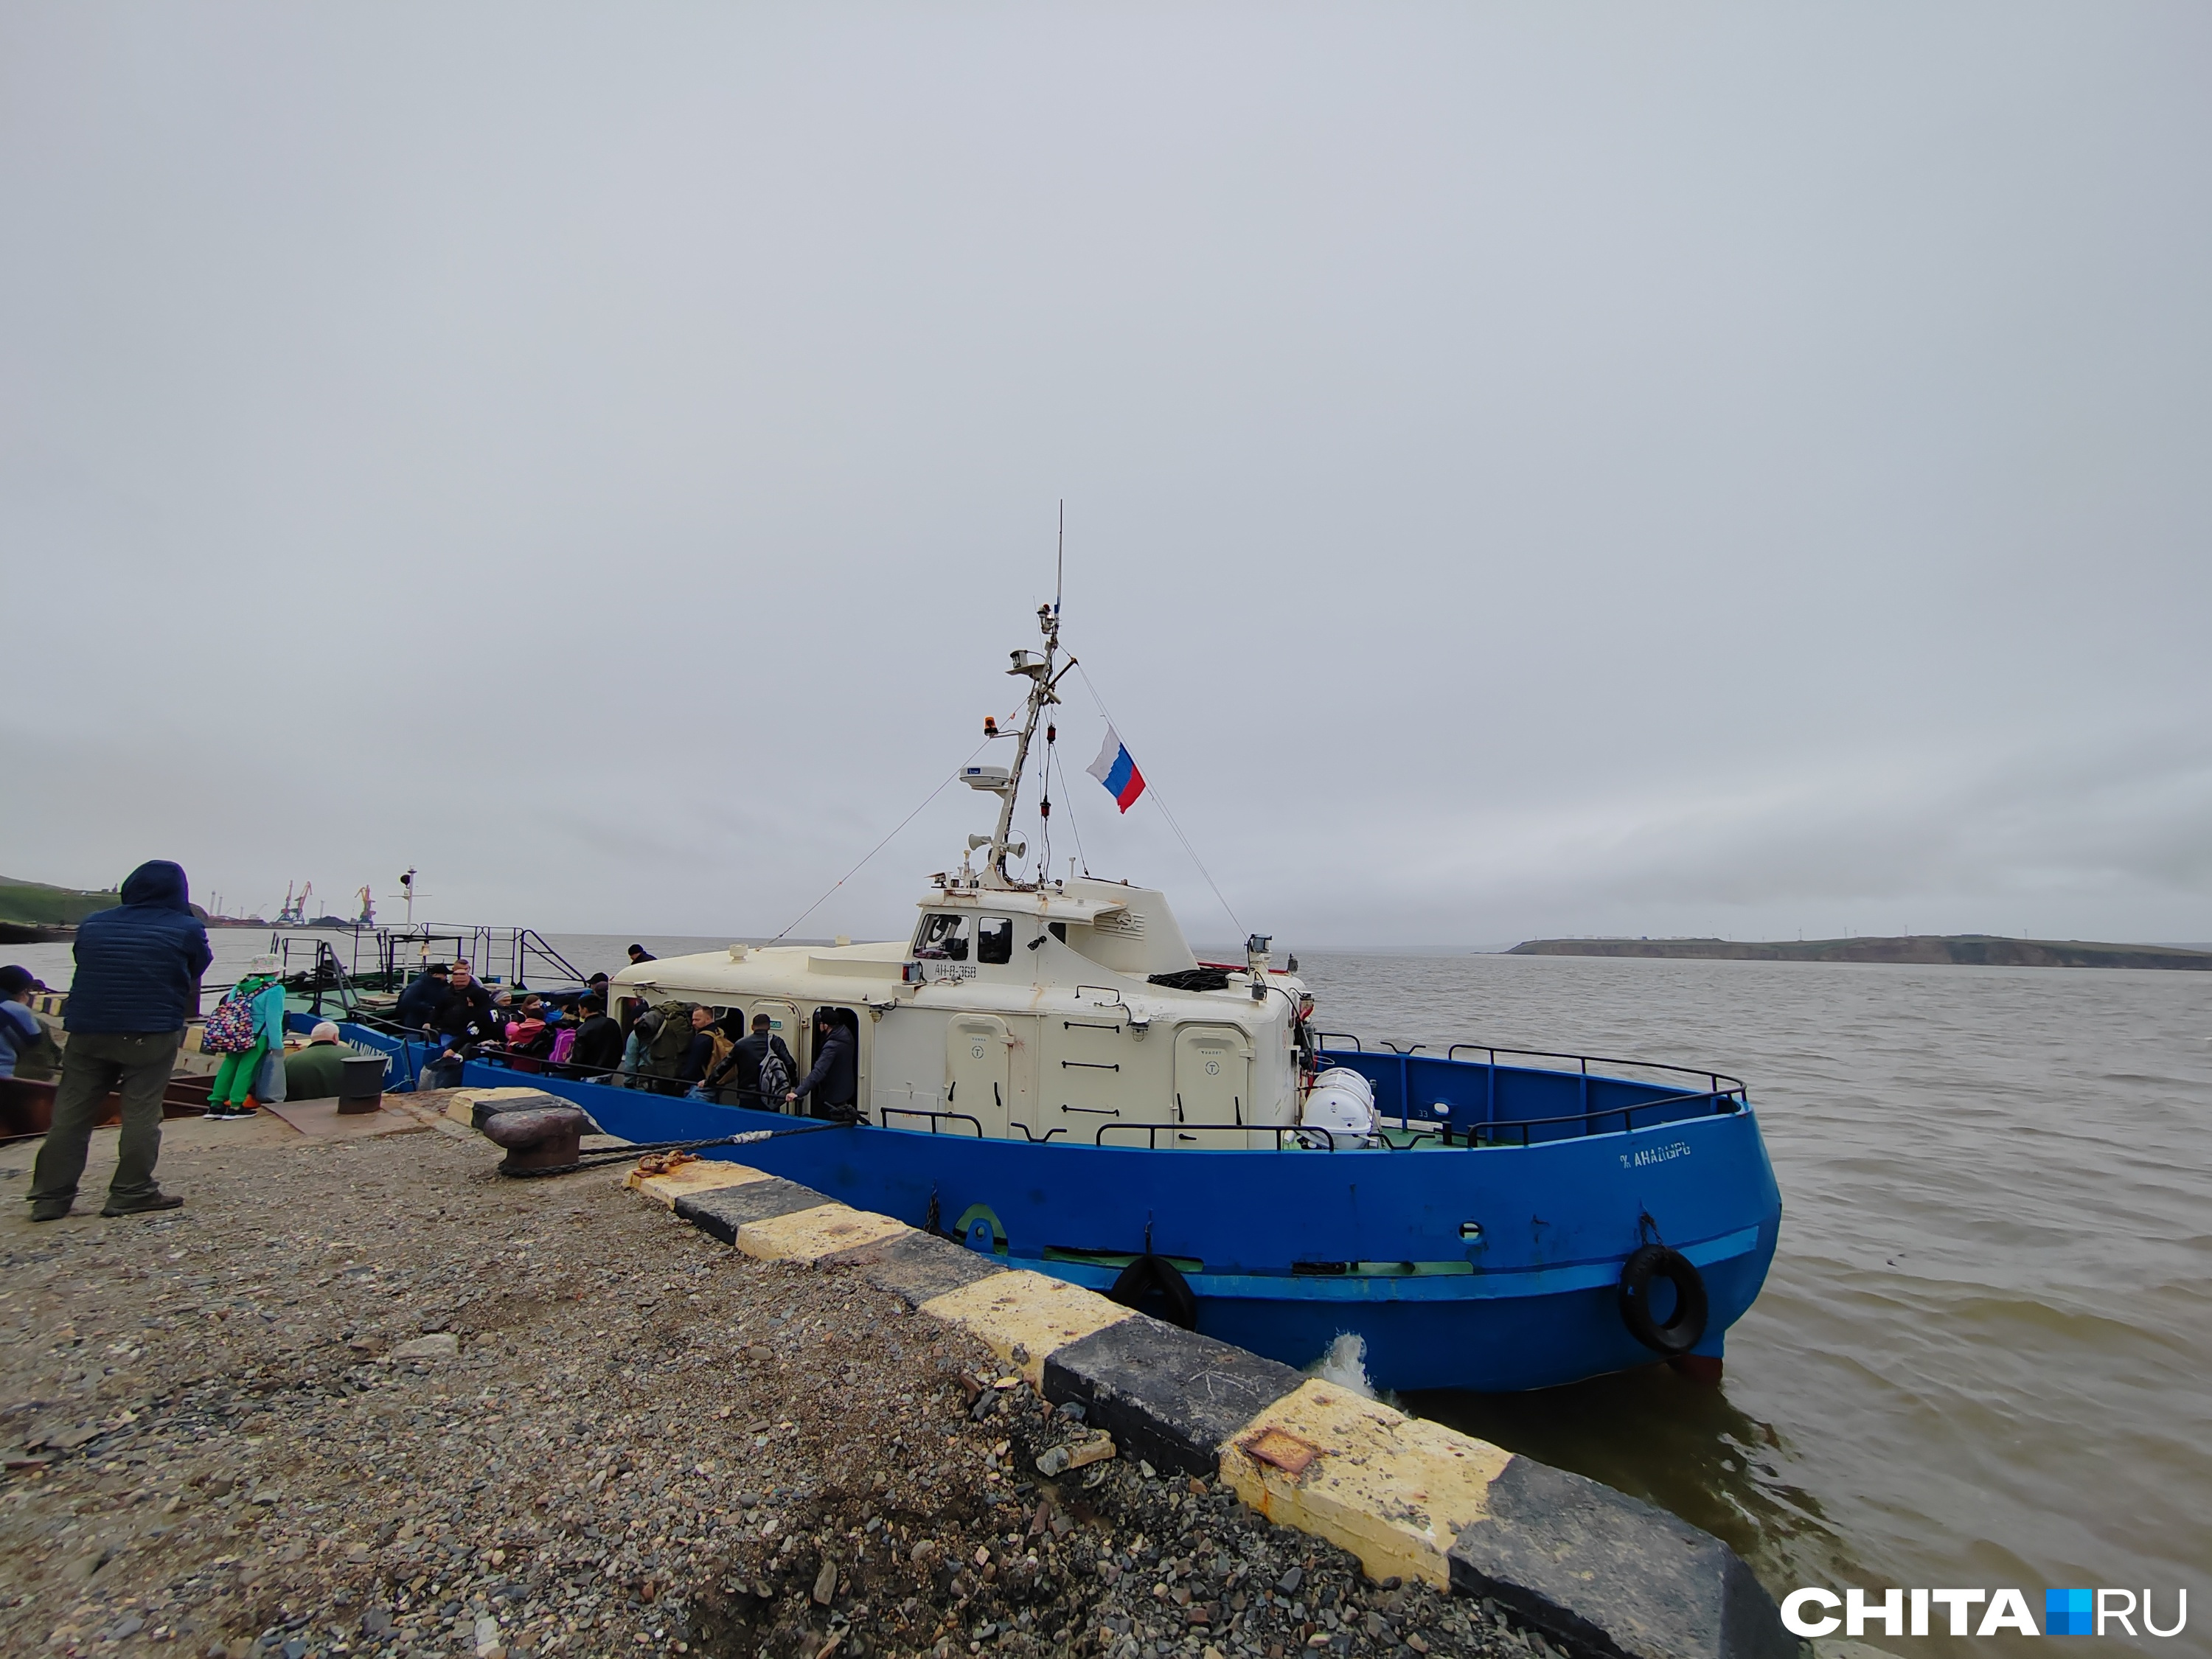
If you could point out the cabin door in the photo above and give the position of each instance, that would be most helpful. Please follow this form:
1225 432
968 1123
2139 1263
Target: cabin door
783 1021
978 1071
1213 1076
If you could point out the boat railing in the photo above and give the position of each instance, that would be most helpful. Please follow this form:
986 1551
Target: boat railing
1583 1063
386 956
1305 1137
1517 1133
1599 1085
1527 1131
645 1079
891 1112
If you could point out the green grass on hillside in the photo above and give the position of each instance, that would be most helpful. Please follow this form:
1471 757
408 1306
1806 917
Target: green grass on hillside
40 905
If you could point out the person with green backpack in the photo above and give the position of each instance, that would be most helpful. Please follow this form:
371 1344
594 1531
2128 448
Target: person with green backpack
252 1016
667 1042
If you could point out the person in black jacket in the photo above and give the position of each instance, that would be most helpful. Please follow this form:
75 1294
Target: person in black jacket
138 968
424 995
599 1047
703 1053
739 1076
464 1021
835 1082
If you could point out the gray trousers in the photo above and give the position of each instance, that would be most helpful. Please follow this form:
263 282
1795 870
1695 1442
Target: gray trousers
93 1063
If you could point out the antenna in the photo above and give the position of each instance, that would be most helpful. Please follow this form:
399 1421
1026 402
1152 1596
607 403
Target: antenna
1059 560
408 892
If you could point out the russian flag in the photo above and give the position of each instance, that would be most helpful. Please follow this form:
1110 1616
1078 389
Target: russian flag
1118 772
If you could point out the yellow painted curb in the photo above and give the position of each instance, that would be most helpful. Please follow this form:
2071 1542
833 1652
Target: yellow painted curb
1028 1310
707 1174
1392 1489
457 1106
809 1235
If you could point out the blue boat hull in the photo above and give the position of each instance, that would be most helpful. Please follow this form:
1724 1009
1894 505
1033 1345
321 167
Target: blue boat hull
1491 1267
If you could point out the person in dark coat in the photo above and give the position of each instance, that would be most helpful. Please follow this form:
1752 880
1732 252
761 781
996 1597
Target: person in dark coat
138 968
740 1074
465 1021
599 1039
835 1082
424 995
705 1052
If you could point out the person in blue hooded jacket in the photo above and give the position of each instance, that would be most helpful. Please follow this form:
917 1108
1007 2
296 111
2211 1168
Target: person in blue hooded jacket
138 968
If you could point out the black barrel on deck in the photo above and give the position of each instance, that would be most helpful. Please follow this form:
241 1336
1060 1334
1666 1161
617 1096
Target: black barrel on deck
361 1083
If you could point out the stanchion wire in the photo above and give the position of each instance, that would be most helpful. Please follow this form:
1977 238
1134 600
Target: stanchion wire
880 845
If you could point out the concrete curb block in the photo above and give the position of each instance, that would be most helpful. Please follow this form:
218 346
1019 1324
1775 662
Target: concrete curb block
1607 1575
1392 1489
914 1266
1662 1586
807 1236
1023 1316
722 1211
1170 1397
701 1175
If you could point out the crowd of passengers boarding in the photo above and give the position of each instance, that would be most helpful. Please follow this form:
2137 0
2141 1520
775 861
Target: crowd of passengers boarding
671 1048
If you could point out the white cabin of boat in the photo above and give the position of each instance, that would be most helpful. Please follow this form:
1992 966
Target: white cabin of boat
1028 1012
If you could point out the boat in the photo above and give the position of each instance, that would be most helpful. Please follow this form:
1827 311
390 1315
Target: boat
1049 1074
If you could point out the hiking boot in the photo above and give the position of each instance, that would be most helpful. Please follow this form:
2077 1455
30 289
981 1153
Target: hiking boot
145 1206
50 1209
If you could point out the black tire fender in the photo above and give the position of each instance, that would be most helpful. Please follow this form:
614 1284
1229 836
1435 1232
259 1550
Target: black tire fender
1686 1326
1148 1275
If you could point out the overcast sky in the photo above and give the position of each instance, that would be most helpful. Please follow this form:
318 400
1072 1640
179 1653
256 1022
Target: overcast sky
1536 470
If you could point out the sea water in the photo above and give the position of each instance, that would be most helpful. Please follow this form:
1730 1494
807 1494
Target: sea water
1983 1355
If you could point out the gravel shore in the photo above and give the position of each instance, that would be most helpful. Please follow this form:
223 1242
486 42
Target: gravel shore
367 1397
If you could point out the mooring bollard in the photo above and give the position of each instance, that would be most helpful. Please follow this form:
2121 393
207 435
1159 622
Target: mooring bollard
538 1140
361 1084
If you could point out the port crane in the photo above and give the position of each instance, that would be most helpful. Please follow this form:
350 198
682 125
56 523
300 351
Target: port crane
294 913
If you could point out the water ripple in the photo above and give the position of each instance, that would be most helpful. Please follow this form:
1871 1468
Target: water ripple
1981 1356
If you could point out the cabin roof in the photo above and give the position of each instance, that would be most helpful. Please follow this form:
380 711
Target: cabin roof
1051 903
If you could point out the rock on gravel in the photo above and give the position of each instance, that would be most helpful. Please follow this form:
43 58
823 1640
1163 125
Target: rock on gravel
228 1433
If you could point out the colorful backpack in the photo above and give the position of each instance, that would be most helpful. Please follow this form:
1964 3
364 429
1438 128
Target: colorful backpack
230 1028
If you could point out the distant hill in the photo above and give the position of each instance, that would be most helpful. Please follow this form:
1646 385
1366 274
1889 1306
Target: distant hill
37 904
1965 950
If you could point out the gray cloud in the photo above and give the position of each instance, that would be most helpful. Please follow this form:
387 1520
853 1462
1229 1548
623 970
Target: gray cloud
1716 470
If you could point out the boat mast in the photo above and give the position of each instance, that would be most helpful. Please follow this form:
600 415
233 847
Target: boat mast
1041 680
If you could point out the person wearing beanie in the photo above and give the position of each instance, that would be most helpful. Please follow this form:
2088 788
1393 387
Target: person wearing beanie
263 988
424 995
137 984
315 1071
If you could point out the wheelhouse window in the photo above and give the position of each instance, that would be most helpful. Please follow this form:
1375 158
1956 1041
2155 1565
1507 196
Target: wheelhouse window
943 938
994 939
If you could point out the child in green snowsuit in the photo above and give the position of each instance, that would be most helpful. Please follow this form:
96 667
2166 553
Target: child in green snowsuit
231 1096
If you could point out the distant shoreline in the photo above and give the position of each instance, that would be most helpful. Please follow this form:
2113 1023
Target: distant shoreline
1944 949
